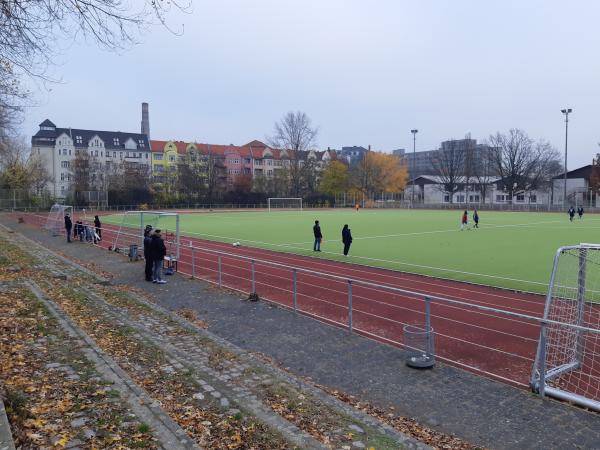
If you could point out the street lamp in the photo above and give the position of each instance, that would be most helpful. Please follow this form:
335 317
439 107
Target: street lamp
414 133
566 112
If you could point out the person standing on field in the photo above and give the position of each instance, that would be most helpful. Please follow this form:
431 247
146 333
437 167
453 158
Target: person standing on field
68 226
580 212
318 236
346 239
98 228
475 219
147 252
464 220
158 250
571 213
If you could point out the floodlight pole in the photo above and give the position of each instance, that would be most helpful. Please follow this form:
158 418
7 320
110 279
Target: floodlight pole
414 161
566 112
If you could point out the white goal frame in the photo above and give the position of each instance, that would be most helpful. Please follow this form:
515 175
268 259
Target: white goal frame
55 222
569 343
160 214
283 198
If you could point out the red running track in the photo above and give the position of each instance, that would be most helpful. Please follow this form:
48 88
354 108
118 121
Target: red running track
489 343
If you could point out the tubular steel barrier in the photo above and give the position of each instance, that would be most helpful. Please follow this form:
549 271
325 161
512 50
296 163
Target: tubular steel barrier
497 342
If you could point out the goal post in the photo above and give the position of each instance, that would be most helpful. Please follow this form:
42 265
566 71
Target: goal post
55 222
133 224
567 363
284 203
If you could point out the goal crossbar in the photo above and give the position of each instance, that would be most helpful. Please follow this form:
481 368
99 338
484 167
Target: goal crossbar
287 202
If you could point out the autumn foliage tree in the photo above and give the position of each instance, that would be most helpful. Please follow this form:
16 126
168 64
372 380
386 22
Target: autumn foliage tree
379 172
335 178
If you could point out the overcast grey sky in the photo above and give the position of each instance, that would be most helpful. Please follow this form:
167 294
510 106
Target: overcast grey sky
366 72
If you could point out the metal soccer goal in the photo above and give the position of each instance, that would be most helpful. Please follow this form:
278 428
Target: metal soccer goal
567 364
55 222
133 223
284 203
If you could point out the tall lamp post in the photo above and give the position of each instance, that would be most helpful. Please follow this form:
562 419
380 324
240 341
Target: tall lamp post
566 112
414 133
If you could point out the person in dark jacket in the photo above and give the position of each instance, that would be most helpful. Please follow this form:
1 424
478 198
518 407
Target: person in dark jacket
68 226
580 212
475 219
98 229
79 230
158 250
147 252
318 236
346 239
571 213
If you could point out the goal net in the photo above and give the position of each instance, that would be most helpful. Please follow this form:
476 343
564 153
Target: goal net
55 222
278 203
134 223
567 364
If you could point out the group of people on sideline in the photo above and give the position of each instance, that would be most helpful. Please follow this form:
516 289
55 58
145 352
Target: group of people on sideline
154 254
83 230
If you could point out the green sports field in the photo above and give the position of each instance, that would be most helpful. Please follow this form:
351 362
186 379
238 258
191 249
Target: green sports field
510 249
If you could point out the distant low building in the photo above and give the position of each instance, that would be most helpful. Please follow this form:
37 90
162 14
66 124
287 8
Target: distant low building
578 187
430 190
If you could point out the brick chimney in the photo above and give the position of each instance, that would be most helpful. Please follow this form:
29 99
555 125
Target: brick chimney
145 120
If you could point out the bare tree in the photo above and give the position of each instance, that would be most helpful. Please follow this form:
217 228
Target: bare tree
522 164
483 172
295 133
449 164
216 177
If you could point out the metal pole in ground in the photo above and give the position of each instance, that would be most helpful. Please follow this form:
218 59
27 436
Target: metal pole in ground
220 284
253 279
428 324
295 293
350 306
193 261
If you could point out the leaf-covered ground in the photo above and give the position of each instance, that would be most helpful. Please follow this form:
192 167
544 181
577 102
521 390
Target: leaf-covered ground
176 389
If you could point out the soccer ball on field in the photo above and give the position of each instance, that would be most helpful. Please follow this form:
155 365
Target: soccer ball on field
236 244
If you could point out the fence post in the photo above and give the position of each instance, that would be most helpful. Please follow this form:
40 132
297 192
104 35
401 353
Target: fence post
428 323
253 279
193 261
295 296
350 306
220 284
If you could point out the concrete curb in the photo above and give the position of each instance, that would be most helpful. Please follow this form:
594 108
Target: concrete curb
6 439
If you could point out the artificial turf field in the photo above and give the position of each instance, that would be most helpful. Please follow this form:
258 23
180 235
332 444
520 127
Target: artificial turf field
510 249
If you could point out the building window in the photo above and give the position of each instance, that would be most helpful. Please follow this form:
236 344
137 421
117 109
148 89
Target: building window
78 140
121 155
96 153
269 162
62 177
158 156
258 162
533 199
141 142
116 142
146 155
171 158
446 198
64 164
520 197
